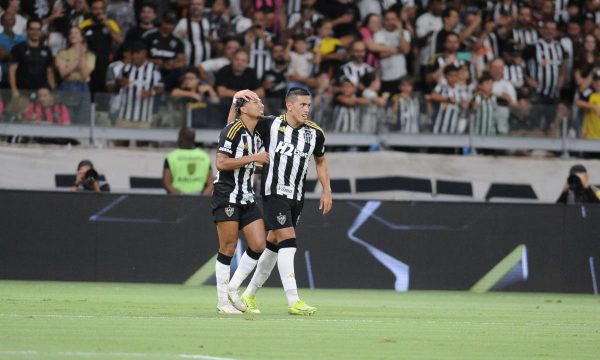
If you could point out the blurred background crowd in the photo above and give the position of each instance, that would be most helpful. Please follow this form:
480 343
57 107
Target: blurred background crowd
503 67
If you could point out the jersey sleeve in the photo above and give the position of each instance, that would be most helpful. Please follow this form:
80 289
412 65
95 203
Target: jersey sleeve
227 145
320 144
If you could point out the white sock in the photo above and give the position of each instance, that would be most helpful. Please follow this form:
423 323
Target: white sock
266 263
222 273
245 267
285 264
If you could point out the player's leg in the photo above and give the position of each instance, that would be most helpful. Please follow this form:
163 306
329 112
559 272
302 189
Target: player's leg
227 232
254 232
265 266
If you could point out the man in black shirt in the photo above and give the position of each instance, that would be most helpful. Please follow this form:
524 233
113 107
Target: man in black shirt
577 188
166 51
31 62
100 34
147 18
274 80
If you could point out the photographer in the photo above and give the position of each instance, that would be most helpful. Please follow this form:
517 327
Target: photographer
577 189
87 179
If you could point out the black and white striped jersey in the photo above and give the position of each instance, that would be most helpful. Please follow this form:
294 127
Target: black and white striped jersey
235 186
408 112
354 72
196 40
485 121
260 56
447 115
525 36
143 78
544 62
515 74
345 118
289 150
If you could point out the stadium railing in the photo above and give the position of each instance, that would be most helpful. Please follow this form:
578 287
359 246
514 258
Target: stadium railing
208 118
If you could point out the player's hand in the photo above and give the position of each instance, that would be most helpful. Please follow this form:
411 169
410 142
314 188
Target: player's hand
247 95
261 157
326 202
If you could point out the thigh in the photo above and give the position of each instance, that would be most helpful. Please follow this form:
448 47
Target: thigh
227 232
255 235
278 212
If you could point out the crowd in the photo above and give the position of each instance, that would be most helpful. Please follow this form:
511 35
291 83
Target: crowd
490 67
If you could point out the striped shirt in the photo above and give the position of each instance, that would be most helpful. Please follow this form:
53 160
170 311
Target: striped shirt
196 40
289 150
485 121
544 62
143 78
502 8
525 36
354 72
446 115
515 74
345 118
235 186
260 56
407 114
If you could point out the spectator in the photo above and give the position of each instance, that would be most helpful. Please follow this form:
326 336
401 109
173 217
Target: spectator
344 16
371 25
302 63
139 82
194 31
187 169
447 99
101 34
356 68
371 115
87 179
396 41
46 110
547 65
147 18
199 98
274 11
31 62
450 21
236 76
484 105
346 107
12 8
165 50
577 188
258 43
504 92
589 101
524 33
572 43
449 57
275 81
426 25
514 68
332 50
219 21
75 64
406 109
483 40
122 12
587 62
304 18
8 39
112 77
209 68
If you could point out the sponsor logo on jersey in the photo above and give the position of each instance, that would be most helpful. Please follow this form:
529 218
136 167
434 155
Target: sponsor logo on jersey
285 190
288 149
229 210
227 144
307 136
281 218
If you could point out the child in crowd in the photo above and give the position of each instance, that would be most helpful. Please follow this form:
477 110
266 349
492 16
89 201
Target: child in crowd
46 110
346 107
373 113
406 109
301 61
484 105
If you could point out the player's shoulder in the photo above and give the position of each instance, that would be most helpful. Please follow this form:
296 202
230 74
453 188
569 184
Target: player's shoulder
314 125
231 131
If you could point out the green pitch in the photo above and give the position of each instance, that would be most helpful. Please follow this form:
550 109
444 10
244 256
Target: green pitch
55 320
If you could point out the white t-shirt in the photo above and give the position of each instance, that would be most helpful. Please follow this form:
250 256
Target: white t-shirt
504 86
301 64
393 67
214 65
428 23
20 26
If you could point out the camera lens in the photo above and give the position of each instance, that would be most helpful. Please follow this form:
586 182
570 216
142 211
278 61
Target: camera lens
574 182
90 176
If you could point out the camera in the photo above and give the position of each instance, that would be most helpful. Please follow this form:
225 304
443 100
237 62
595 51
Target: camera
574 183
90 176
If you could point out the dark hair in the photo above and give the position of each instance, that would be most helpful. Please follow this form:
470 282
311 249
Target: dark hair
407 79
299 37
83 163
149 4
485 76
447 12
368 78
238 106
450 68
138 46
33 20
577 168
186 136
367 19
319 23
296 91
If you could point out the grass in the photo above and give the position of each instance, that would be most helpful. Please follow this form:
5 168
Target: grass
64 320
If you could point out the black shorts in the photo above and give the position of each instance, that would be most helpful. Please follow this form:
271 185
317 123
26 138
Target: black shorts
281 212
243 214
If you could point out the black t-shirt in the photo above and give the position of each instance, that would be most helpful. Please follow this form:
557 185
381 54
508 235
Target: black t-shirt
278 82
226 77
99 42
160 47
333 9
32 72
37 9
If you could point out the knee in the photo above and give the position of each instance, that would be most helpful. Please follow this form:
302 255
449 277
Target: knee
227 248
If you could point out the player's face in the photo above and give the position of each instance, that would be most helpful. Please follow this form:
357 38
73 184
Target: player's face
299 107
254 108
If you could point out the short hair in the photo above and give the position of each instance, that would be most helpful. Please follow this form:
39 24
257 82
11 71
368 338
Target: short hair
83 163
149 4
187 135
577 168
296 91
33 20
450 68
447 12
485 77
299 37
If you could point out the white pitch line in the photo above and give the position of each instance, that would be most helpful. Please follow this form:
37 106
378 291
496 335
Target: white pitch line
136 317
79 354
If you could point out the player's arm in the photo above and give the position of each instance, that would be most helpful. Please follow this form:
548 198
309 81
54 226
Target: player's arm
326 201
226 163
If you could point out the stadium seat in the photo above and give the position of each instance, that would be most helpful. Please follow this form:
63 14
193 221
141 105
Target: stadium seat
393 183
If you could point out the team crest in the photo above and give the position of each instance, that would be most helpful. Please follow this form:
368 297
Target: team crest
281 218
307 136
191 168
229 210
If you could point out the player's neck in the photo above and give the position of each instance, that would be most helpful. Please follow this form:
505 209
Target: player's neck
292 121
249 123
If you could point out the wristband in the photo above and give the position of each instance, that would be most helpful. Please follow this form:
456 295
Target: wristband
234 101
